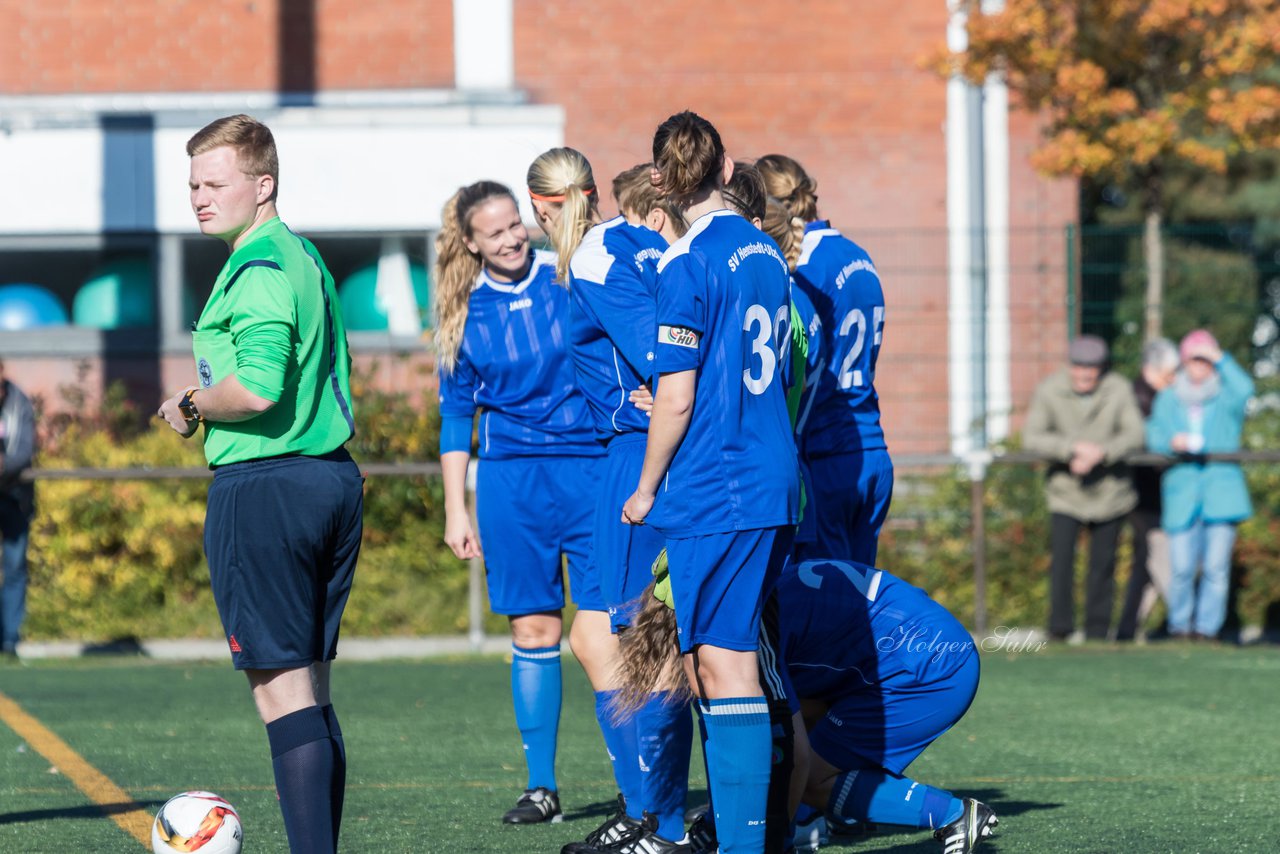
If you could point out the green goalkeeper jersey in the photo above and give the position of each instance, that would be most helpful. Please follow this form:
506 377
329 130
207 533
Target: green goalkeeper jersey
273 321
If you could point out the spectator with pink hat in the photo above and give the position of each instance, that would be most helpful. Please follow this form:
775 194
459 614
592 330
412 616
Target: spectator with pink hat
1201 413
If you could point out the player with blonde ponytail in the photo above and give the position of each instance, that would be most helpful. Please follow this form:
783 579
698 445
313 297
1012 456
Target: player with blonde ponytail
611 270
502 349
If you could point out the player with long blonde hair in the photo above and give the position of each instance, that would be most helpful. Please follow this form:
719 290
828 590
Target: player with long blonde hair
502 350
611 270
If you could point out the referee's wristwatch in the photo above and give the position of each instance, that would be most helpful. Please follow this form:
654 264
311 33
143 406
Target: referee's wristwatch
187 406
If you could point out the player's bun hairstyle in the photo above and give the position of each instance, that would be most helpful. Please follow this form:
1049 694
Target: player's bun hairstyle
786 180
563 176
786 230
457 267
688 157
745 191
649 659
255 146
635 194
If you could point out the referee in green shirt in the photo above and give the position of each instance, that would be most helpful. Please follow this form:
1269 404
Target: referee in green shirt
282 530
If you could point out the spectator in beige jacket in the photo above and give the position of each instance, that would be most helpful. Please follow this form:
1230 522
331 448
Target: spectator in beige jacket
1085 421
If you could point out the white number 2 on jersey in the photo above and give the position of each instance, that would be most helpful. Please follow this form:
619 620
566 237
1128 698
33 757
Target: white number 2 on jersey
765 332
848 376
865 579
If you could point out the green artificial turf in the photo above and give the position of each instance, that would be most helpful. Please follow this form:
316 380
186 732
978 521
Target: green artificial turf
1158 749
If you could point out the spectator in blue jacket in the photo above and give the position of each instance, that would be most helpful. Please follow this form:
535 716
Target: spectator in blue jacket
1201 413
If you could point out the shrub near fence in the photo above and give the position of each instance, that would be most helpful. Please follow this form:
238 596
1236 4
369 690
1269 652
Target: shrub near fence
119 559
115 559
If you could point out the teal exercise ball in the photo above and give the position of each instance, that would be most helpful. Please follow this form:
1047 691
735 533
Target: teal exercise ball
29 307
362 311
118 295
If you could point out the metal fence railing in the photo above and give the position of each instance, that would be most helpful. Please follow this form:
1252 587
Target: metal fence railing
976 466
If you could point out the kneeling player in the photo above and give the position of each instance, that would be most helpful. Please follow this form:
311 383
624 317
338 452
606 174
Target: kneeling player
881 671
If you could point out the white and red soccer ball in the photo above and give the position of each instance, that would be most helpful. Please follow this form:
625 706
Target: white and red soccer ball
197 821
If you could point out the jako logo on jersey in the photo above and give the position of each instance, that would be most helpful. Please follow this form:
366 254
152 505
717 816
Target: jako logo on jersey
517 304
680 336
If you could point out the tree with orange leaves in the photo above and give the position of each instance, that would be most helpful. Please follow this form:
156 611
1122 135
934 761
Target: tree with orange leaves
1132 87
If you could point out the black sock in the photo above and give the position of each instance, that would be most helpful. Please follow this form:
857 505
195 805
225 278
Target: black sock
302 755
338 791
777 828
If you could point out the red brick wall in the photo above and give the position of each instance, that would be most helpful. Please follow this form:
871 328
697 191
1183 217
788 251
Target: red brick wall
67 46
836 85
832 83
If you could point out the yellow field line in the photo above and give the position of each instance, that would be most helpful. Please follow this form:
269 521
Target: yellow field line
93 783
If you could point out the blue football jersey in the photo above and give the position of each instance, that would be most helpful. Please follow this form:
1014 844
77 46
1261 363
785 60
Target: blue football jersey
724 310
613 283
846 625
841 281
514 365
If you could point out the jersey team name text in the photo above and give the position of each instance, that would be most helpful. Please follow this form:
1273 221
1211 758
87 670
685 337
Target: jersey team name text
647 255
853 267
742 252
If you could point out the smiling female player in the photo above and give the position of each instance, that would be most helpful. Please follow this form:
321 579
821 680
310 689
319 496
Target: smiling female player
840 436
611 269
719 476
502 348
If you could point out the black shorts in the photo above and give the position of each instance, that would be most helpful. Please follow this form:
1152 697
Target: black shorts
282 536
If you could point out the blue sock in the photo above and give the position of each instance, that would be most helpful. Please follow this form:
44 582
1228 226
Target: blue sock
302 755
740 754
805 813
337 792
878 795
664 731
620 742
535 692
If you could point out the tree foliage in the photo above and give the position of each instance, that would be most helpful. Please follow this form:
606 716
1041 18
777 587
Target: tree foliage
1130 87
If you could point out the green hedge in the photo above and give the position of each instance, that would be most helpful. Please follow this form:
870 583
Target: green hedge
112 560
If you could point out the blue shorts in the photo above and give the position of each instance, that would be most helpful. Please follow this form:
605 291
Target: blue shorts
531 510
849 498
891 723
282 536
624 553
720 581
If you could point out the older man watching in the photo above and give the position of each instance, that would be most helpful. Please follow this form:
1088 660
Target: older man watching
1085 421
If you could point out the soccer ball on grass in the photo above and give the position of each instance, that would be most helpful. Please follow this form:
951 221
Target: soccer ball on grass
196 821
